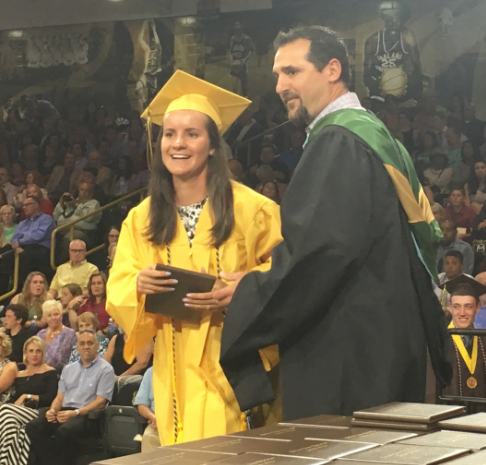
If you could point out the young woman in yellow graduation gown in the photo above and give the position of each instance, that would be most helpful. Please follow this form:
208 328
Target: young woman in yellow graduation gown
193 399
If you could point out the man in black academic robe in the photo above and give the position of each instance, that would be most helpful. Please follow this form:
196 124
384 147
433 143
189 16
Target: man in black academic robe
348 300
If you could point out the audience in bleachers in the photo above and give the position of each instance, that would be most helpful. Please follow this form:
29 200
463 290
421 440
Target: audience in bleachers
8 188
7 217
8 370
35 387
71 299
96 301
14 322
450 242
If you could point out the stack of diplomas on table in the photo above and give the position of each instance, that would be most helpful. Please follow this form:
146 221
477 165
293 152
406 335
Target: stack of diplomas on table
406 416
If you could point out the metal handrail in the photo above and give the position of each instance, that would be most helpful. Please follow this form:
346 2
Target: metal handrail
71 224
251 139
16 279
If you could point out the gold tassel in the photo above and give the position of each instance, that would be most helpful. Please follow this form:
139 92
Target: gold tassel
150 148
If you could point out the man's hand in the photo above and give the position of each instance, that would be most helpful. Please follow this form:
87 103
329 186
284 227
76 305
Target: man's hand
15 245
65 415
51 416
481 225
221 295
153 422
19 250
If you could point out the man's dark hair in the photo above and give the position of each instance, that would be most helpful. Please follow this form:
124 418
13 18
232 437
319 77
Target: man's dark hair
272 146
93 171
465 289
20 312
89 331
325 44
455 253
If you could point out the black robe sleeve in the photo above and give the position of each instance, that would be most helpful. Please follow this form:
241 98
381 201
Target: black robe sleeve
326 240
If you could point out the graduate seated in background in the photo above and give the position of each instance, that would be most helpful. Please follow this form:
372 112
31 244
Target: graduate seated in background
469 366
453 267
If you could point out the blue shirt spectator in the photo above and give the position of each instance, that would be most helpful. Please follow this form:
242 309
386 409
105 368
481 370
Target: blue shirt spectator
145 394
81 384
36 228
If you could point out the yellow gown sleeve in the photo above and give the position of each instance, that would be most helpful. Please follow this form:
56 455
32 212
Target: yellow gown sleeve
263 235
132 255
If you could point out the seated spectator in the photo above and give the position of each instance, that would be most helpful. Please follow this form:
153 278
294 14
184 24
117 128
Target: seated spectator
114 356
270 190
51 160
70 209
32 239
450 242
88 321
7 216
476 187
268 156
32 177
71 299
3 240
17 176
78 149
64 178
405 130
8 370
101 257
96 302
59 338
463 216
292 156
30 157
89 176
467 380
77 270
84 386
45 204
35 387
117 148
124 179
104 150
32 297
439 175
16 316
438 211
471 127
428 146
103 179
111 255
5 184
463 171
453 139
146 407
236 170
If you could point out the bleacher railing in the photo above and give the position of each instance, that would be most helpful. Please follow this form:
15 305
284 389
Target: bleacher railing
15 275
71 225
240 147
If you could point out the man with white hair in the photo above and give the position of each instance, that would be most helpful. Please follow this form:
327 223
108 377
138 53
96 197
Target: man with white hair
77 270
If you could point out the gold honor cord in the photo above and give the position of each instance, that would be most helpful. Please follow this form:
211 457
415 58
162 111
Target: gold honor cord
469 360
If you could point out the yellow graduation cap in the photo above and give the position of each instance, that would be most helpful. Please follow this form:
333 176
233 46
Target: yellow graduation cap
186 92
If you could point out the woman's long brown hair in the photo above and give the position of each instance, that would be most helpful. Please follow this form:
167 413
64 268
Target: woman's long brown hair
163 210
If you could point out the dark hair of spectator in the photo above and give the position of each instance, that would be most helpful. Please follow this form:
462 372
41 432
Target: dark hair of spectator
74 289
26 298
455 253
128 170
272 146
465 289
20 312
107 242
82 146
163 211
325 44
93 171
473 184
35 199
460 189
476 153
103 139
92 298
38 178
